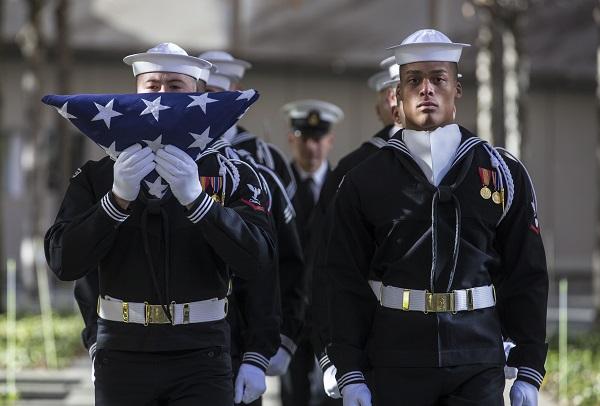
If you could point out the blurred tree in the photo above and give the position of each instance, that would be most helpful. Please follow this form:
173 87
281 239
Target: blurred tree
62 47
3 145
502 72
32 47
596 254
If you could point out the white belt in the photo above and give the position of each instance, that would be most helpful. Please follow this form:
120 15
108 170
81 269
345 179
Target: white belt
424 301
144 313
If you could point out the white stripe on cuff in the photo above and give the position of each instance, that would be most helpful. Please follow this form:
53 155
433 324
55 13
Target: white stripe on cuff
531 374
350 377
288 343
202 209
111 210
324 361
92 350
256 358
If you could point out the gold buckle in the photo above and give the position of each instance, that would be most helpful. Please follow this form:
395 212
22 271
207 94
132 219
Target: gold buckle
439 302
155 314
186 313
125 312
405 299
470 304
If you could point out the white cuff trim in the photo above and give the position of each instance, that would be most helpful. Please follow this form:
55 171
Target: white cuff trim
350 377
112 211
531 374
202 209
288 344
256 358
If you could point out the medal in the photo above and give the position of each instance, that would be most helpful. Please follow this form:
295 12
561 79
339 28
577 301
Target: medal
496 198
485 176
485 192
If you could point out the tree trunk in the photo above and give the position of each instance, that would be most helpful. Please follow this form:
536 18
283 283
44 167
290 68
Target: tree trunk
63 75
3 147
30 42
596 254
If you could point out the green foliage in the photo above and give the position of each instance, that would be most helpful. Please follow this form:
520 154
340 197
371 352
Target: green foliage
583 370
30 341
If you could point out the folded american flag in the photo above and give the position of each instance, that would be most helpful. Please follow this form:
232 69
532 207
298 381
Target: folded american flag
189 121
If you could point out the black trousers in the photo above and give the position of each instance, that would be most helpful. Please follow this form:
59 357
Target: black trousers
302 385
181 378
471 385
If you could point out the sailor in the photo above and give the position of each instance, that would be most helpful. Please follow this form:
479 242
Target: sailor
163 265
445 227
311 138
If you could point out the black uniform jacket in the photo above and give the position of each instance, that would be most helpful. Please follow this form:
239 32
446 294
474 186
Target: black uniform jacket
291 270
266 154
321 280
191 250
382 229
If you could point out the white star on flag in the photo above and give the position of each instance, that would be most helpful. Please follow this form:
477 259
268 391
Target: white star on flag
201 101
106 112
156 144
201 140
63 111
112 151
153 107
246 94
156 188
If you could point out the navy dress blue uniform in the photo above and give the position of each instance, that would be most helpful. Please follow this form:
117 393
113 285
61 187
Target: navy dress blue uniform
159 252
424 356
292 273
256 328
320 283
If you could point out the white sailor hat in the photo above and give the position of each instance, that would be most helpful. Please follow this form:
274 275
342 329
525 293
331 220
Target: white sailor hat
219 80
227 64
168 57
393 71
427 45
379 81
312 118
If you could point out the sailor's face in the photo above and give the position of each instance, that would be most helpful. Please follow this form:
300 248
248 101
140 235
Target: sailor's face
167 82
386 101
310 152
428 91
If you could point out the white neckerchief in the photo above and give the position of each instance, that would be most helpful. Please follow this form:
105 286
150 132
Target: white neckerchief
317 176
433 151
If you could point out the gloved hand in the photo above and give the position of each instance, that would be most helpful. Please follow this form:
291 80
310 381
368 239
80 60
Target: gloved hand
181 173
132 165
279 363
509 372
249 384
523 394
330 383
356 394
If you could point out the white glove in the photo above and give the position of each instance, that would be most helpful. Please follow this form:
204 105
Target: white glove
509 372
132 165
249 384
181 173
523 394
279 363
356 394
330 383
